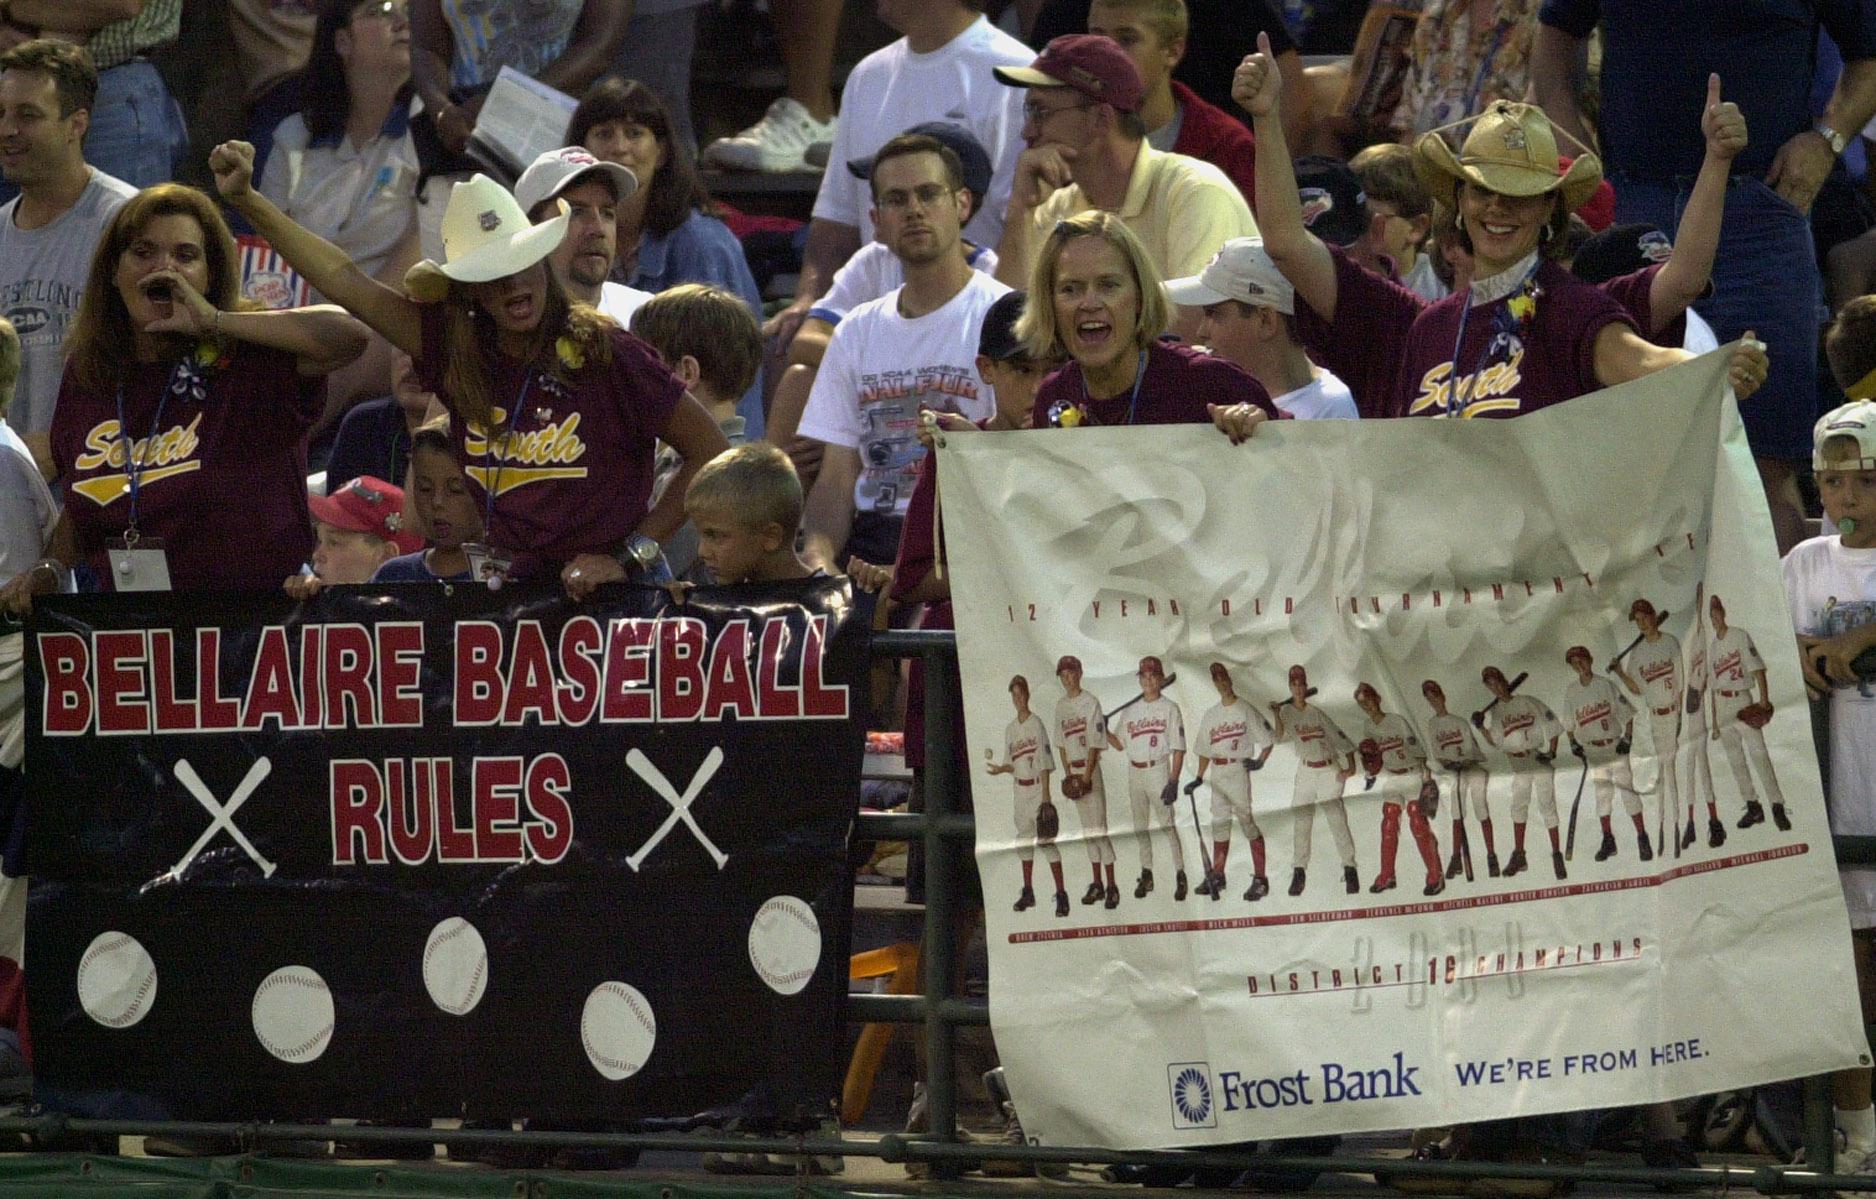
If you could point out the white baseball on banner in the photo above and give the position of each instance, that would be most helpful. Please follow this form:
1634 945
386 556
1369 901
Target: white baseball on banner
617 1030
116 980
455 966
293 1014
785 944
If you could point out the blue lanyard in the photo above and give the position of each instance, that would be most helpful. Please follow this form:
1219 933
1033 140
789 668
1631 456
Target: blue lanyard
501 461
1453 406
1133 401
131 466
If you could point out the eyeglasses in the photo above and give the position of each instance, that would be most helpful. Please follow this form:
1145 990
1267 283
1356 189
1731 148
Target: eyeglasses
1036 113
394 11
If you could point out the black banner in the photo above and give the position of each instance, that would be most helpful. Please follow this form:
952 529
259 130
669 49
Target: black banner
428 851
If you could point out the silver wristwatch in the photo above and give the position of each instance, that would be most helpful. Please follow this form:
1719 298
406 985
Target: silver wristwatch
1837 140
639 553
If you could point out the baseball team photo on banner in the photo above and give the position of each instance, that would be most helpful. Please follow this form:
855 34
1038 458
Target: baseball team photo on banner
428 851
1391 775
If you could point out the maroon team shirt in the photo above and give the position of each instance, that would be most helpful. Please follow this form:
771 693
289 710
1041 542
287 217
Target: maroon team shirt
1362 346
1548 361
1178 383
221 478
1635 292
575 475
918 554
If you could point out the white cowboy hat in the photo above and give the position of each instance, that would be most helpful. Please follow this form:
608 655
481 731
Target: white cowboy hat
486 236
1511 150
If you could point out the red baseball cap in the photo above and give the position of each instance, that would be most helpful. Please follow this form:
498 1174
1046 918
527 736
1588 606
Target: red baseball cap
1366 689
1068 662
1093 65
1598 212
1431 686
1642 607
1492 672
1220 671
1577 651
367 505
1151 664
1298 674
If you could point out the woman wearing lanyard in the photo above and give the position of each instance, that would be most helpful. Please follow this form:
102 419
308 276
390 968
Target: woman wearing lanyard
1099 302
180 433
557 411
1525 335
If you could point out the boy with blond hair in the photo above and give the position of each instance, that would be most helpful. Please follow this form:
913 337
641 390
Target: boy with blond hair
746 506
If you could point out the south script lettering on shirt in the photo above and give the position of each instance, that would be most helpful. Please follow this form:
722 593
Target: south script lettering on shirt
159 456
522 457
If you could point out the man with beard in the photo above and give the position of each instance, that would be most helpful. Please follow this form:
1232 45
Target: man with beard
592 190
914 347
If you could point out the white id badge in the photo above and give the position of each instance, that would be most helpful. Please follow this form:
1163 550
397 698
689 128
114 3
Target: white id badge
138 566
488 564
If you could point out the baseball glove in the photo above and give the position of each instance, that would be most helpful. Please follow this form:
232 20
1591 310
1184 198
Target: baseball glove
1073 786
1545 757
1693 700
1253 763
1169 794
1370 757
1429 797
1756 715
1623 745
1048 822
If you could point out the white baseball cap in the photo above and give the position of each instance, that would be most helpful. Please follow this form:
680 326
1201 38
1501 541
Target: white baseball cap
486 236
1241 271
1855 420
558 170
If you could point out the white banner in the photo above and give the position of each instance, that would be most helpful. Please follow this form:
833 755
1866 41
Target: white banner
1392 553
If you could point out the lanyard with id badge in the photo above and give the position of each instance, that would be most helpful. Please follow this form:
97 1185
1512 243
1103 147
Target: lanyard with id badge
138 563
487 563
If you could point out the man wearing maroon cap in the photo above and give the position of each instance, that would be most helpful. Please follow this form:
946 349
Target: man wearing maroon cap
1088 150
359 529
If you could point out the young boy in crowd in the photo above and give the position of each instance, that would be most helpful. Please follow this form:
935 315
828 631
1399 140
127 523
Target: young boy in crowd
710 340
1830 582
358 530
746 507
1402 212
445 513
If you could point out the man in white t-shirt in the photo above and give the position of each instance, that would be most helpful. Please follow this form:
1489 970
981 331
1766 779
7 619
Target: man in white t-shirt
592 190
47 232
1250 319
939 71
915 347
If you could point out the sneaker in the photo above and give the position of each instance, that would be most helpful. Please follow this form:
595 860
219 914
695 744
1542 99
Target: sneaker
1754 814
1491 864
1716 834
1780 819
782 1164
1095 893
1517 864
1061 904
1179 885
1606 850
1384 883
1435 885
1260 887
1025 901
1351 882
1296 881
817 154
1647 849
1457 866
1556 864
1011 1137
1113 897
778 142
1143 884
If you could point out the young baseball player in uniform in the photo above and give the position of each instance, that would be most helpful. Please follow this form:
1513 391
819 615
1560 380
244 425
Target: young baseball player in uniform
1026 756
1456 751
1738 682
1236 739
1155 745
1387 740
1652 671
1526 732
1325 763
1697 766
1080 736
1601 725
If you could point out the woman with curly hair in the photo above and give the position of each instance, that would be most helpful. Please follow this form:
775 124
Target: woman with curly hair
180 431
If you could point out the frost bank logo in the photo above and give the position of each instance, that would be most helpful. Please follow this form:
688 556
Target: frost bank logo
1191 1086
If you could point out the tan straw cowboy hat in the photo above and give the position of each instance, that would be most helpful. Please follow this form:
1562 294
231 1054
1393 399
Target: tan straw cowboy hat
486 236
1512 150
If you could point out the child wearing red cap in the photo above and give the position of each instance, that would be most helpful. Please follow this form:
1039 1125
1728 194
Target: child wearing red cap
357 531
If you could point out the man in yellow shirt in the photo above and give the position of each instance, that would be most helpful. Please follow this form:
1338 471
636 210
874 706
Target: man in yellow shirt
1087 149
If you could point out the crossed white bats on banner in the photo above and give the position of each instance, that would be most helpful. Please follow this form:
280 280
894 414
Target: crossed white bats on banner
221 815
680 804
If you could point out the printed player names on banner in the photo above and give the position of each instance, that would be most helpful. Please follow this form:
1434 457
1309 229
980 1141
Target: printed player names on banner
1481 829
422 850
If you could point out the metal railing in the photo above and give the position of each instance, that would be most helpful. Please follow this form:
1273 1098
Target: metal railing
944 832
